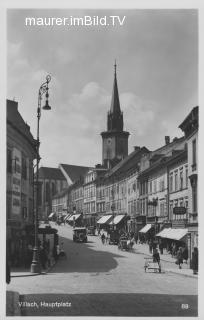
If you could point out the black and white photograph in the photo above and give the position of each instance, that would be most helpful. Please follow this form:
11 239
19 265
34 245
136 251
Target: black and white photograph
101 160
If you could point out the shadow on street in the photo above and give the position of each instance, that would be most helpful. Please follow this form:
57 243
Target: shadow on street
81 257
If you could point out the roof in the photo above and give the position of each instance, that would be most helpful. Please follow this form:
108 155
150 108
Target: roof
61 193
74 172
50 173
15 119
165 161
128 163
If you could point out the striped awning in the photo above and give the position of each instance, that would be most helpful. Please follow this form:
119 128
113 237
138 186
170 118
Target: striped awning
104 219
145 228
51 214
67 216
117 219
74 217
174 234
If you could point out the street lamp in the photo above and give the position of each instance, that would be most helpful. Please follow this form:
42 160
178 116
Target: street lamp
35 266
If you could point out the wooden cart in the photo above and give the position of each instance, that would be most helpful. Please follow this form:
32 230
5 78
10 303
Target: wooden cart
151 265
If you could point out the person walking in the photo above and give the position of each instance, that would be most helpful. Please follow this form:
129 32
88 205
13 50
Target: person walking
156 258
173 252
150 245
103 238
195 260
185 254
179 260
161 247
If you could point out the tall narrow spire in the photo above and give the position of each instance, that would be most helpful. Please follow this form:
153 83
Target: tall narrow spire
115 102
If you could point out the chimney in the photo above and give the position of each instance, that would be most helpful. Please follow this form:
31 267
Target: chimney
136 148
167 140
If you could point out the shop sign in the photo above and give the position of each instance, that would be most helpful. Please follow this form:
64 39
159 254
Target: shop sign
16 181
179 210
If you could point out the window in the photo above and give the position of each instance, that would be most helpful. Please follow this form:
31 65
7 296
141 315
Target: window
9 161
53 189
171 183
47 192
176 181
194 154
194 197
155 186
24 169
186 175
150 187
181 179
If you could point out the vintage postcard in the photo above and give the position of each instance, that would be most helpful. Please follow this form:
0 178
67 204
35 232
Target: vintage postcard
101 160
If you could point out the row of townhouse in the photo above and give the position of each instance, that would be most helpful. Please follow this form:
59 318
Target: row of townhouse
146 190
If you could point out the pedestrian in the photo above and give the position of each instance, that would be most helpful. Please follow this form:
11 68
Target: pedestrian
179 257
135 237
173 249
150 245
161 247
156 258
103 238
185 254
195 260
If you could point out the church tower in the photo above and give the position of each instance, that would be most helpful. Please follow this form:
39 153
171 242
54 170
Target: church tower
115 140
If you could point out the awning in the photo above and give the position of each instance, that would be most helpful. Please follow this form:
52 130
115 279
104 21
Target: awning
67 216
104 219
51 215
145 228
163 233
174 234
117 219
74 217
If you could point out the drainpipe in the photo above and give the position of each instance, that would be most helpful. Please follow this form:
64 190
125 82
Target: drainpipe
167 197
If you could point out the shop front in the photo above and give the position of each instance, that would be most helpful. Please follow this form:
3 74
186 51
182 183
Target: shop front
75 220
103 222
89 220
170 237
119 223
192 238
140 223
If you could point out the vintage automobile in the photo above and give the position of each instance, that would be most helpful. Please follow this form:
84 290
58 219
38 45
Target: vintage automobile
80 234
91 230
114 237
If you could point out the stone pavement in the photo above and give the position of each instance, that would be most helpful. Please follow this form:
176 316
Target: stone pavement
167 259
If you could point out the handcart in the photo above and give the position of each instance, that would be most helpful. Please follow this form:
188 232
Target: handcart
151 264
125 244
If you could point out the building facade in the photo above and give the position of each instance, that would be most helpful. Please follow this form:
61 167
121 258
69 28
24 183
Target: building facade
190 128
21 152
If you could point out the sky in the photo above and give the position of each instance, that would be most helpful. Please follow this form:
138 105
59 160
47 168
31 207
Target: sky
157 72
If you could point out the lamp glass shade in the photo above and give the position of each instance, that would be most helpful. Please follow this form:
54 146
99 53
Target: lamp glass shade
46 106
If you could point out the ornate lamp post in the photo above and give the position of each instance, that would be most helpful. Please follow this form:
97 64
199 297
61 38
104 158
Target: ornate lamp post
35 266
